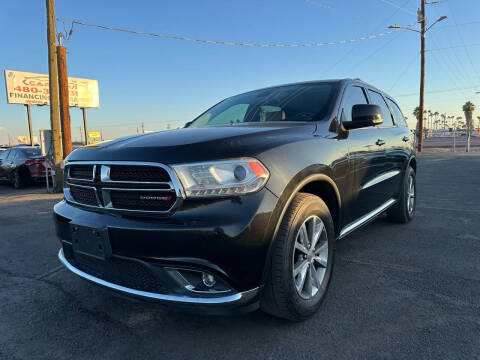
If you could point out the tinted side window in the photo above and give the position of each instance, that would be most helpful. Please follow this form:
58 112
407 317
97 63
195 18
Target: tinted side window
3 154
397 113
353 95
10 155
377 99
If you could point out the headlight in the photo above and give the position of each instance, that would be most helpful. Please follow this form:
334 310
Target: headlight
222 178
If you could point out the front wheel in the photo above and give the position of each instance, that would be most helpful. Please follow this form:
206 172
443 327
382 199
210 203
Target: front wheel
301 260
16 179
404 210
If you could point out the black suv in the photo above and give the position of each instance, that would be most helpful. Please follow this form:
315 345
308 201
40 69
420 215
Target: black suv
242 207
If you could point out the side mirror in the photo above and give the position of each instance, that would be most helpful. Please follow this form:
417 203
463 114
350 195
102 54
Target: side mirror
365 115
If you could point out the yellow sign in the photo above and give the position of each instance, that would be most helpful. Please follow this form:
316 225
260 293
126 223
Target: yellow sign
31 88
93 134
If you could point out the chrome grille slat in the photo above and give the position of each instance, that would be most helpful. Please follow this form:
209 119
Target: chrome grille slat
103 187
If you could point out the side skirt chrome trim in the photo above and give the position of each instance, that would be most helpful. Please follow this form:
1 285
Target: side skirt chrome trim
164 297
365 218
379 179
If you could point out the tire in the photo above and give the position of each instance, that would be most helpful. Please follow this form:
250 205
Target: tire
404 211
17 180
282 296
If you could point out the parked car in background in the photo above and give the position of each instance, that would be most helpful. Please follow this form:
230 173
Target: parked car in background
241 209
22 165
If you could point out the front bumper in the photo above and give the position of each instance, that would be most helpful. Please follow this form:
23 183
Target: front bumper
228 238
237 303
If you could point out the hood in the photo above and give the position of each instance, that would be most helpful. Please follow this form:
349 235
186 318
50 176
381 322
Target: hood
195 144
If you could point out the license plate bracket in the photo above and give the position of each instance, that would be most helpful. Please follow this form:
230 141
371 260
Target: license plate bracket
91 242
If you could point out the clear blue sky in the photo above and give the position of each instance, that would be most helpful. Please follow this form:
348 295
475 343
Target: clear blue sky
160 82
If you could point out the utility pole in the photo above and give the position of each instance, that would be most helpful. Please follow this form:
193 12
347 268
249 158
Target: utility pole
84 112
29 124
81 135
64 101
422 19
422 71
53 89
143 128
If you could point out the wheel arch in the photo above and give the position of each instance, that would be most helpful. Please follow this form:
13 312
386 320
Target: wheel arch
413 163
318 182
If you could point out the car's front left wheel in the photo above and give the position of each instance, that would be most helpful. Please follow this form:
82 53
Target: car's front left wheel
301 260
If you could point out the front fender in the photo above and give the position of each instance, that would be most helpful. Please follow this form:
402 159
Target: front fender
310 174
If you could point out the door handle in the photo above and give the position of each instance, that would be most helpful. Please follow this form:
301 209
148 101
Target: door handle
405 138
380 142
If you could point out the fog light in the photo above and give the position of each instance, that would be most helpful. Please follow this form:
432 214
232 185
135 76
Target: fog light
208 280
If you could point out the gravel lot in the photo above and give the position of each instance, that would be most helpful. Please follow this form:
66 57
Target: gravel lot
397 291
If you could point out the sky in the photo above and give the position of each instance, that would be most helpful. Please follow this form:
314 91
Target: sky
164 82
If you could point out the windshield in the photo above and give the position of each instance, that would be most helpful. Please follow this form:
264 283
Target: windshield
301 102
28 153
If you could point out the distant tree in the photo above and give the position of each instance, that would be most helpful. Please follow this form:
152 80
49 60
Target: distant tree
435 114
416 113
468 109
444 121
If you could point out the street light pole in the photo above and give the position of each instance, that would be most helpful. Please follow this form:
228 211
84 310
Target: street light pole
423 29
422 74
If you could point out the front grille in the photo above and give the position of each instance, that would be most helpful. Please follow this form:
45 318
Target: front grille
81 172
128 273
83 195
142 200
122 186
138 173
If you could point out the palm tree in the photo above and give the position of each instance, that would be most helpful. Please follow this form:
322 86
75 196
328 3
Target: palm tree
416 113
430 119
451 120
444 121
468 109
436 113
459 122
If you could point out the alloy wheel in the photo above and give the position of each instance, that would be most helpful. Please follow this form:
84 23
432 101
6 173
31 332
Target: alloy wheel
411 194
310 257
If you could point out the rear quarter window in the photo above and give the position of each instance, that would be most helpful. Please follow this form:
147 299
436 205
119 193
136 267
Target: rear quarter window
397 113
377 99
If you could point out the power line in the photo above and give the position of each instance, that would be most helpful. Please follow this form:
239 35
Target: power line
463 43
456 62
347 54
448 71
410 63
329 7
451 65
454 47
399 7
439 91
230 43
368 57
461 24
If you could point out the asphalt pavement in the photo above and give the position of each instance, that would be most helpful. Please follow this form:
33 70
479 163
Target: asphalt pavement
398 291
